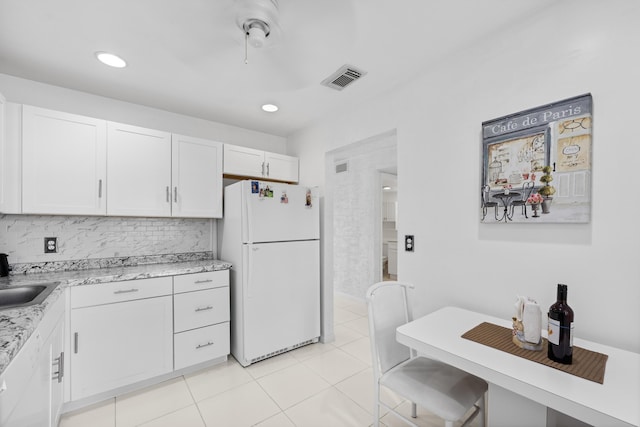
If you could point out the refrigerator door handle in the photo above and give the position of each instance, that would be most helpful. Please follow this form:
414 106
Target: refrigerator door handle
246 270
247 218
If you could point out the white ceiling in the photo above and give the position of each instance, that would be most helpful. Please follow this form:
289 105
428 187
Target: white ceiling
188 56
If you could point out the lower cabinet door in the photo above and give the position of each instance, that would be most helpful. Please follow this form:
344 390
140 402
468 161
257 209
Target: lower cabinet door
32 407
114 345
200 345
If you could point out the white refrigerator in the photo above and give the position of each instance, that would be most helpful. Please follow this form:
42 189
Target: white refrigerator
270 233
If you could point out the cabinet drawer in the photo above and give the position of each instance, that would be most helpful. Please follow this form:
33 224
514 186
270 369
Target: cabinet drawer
200 345
198 281
202 308
107 293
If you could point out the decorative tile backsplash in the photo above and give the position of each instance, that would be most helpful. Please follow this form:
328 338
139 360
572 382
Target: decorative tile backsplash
90 238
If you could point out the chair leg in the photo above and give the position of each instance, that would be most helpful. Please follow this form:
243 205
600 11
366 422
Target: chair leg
376 406
414 410
482 413
524 208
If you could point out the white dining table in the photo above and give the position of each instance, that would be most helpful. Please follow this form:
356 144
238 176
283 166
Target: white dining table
520 390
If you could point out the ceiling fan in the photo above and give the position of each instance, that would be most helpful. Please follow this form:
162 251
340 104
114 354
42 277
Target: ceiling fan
284 40
258 19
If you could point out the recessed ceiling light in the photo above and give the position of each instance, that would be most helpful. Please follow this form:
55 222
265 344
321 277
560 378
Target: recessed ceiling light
386 187
111 60
270 108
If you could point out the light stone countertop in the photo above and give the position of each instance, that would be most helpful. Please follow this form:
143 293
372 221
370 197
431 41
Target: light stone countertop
17 324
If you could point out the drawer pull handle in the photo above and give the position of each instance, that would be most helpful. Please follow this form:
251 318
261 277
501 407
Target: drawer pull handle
204 345
204 308
126 291
75 343
197 282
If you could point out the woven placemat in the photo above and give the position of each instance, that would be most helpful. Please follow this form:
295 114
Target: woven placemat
586 364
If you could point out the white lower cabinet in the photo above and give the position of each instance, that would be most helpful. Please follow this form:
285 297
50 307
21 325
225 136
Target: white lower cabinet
31 386
57 374
123 340
125 332
200 345
201 317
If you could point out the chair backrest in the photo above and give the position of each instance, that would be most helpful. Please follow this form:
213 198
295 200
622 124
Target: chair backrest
389 308
485 193
527 189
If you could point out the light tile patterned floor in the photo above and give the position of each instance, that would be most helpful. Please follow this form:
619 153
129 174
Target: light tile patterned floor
317 385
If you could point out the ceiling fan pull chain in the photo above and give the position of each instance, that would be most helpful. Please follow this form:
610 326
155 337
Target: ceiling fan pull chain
246 41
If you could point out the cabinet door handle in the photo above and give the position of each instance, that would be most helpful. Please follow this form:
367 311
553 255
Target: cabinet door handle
100 189
262 168
168 195
267 169
75 343
197 282
125 291
204 308
199 346
59 362
175 194
61 366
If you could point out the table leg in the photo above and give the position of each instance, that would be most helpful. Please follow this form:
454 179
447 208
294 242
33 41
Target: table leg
508 409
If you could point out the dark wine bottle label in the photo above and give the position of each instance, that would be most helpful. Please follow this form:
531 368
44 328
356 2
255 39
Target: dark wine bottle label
554 332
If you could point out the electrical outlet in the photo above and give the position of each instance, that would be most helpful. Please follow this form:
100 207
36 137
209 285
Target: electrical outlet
408 243
50 245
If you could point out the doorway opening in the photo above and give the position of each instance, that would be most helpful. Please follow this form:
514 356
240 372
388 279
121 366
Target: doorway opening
389 228
352 213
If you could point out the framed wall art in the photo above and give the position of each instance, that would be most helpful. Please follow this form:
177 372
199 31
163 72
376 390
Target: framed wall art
536 164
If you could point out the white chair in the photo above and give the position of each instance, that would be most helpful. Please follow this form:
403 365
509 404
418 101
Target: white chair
435 386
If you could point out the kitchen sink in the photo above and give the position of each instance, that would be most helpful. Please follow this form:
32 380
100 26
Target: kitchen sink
25 295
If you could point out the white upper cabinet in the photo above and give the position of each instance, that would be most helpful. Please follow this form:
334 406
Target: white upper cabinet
138 171
243 161
281 167
64 163
196 170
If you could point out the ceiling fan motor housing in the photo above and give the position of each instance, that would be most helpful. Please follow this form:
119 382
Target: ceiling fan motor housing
257 19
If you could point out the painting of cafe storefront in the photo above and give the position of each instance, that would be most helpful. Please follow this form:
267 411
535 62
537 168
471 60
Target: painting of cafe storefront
537 165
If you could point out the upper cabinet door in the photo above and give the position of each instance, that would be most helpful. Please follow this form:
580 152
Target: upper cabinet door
138 171
243 161
196 172
281 167
64 163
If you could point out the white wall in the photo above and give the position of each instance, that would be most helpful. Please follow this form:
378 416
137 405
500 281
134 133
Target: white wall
572 48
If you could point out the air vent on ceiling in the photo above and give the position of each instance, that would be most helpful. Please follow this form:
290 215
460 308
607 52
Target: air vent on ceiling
342 167
343 77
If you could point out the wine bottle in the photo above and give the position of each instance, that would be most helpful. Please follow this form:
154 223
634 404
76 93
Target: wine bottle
560 345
